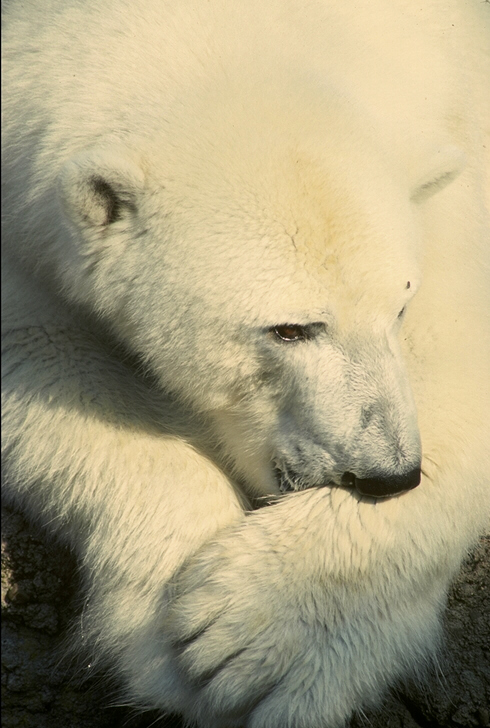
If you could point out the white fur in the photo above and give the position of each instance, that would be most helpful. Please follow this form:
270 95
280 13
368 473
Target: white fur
180 177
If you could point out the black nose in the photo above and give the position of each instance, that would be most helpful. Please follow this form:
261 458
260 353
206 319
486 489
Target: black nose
383 485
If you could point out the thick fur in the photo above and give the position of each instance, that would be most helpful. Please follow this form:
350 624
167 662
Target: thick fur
181 178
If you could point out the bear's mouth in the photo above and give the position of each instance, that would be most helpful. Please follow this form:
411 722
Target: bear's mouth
290 481
378 485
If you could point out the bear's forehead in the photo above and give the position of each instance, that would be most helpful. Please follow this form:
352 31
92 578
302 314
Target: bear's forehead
308 241
267 274
303 248
296 214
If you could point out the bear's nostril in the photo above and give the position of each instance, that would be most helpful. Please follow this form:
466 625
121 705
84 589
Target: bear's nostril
383 485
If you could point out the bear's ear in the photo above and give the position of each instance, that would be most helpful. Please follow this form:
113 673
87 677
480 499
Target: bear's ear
99 187
447 164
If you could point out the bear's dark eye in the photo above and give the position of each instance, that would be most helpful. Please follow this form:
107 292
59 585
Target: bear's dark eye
291 332
298 332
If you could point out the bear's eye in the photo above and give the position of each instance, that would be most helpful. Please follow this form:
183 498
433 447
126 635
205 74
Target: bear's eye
291 332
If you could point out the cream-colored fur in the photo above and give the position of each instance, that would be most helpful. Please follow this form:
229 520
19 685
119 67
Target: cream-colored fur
179 179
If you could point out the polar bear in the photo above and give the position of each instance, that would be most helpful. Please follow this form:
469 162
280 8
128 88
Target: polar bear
246 308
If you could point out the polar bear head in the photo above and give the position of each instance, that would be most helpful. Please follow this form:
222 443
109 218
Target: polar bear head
262 267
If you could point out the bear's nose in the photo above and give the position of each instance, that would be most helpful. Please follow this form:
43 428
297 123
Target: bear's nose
383 485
